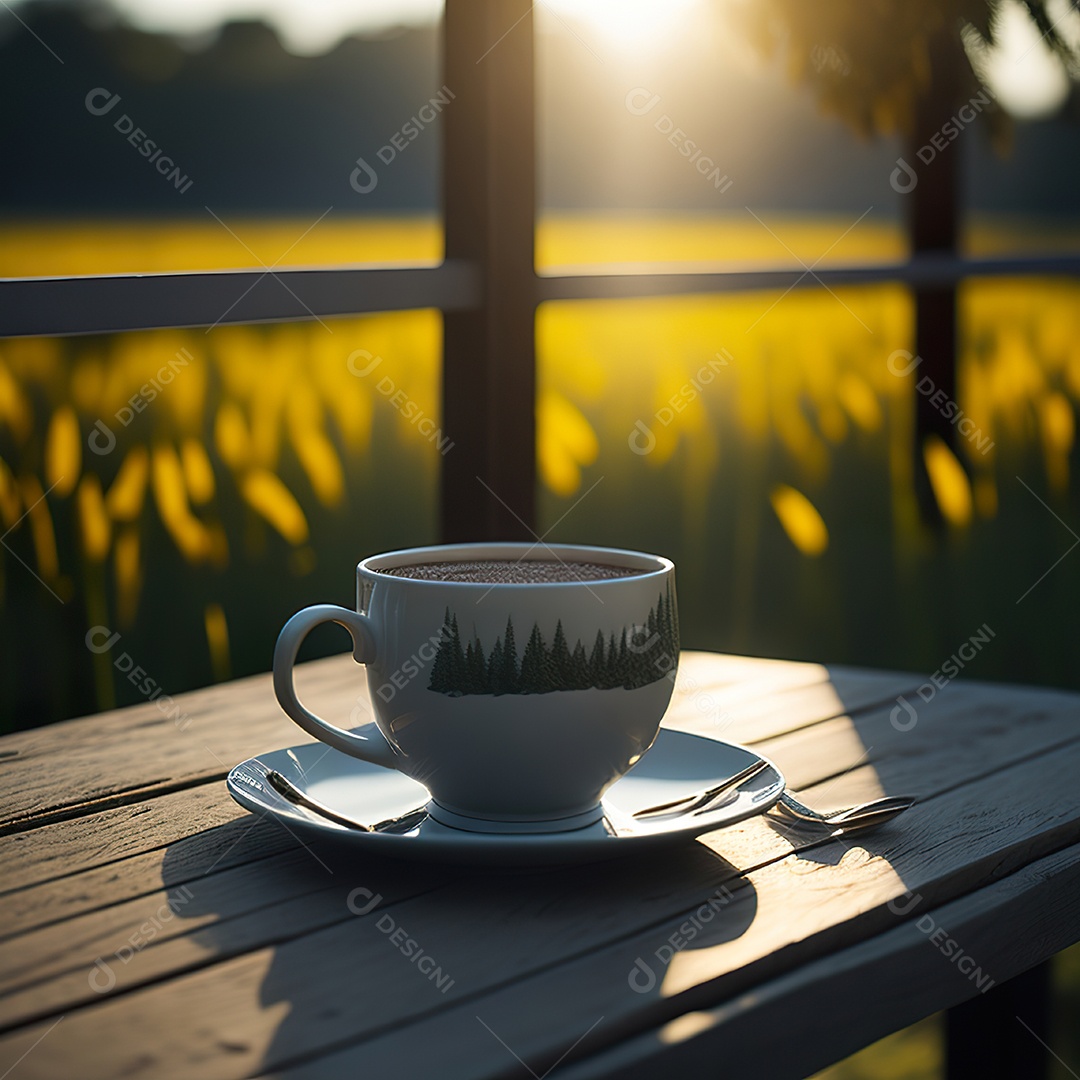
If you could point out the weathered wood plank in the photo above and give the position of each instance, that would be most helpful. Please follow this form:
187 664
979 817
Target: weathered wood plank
493 931
1001 723
182 929
241 840
66 848
979 722
907 975
105 838
746 714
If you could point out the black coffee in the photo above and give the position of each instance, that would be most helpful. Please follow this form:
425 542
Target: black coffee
511 572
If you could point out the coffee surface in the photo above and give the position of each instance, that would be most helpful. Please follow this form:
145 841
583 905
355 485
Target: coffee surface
511 572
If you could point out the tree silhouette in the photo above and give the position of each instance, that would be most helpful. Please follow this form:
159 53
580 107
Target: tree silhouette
509 674
494 667
458 670
872 71
623 670
611 664
635 659
579 668
475 669
559 667
441 677
533 674
667 625
596 661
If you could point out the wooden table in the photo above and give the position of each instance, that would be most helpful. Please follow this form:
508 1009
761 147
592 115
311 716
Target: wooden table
151 928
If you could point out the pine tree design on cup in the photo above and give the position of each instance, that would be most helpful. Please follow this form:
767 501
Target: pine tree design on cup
638 658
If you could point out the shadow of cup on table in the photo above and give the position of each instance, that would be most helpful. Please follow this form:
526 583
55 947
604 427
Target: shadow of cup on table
306 948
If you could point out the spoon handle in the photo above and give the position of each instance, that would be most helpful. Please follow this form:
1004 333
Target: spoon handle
864 815
701 800
288 790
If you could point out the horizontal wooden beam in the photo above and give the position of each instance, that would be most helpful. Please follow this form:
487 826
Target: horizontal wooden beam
638 280
114 303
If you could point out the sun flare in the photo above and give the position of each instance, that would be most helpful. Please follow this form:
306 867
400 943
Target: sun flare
629 24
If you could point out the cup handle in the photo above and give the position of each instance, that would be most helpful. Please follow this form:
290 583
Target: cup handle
376 750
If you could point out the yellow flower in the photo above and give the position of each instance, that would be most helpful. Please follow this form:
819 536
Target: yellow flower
63 451
93 519
800 520
270 498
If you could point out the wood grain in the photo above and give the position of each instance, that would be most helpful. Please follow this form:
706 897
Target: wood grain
982 713
878 986
263 966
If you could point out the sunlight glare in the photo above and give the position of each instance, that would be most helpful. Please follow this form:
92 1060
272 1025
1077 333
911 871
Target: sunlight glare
628 23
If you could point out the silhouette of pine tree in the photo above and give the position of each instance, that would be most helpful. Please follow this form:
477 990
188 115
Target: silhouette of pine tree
440 668
626 659
560 667
669 626
495 668
467 686
458 677
579 666
475 669
644 646
611 665
596 661
533 678
634 660
509 675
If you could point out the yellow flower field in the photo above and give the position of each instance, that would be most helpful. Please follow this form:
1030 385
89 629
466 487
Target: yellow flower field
261 443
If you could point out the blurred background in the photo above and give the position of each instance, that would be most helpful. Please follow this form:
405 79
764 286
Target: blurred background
785 488
189 489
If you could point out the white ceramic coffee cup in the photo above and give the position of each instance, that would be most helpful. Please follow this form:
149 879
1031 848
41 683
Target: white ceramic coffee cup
527 742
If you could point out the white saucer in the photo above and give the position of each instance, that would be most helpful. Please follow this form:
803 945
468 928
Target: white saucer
677 765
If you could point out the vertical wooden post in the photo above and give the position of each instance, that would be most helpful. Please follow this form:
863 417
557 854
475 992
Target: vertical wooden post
984 1037
933 227
489 364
